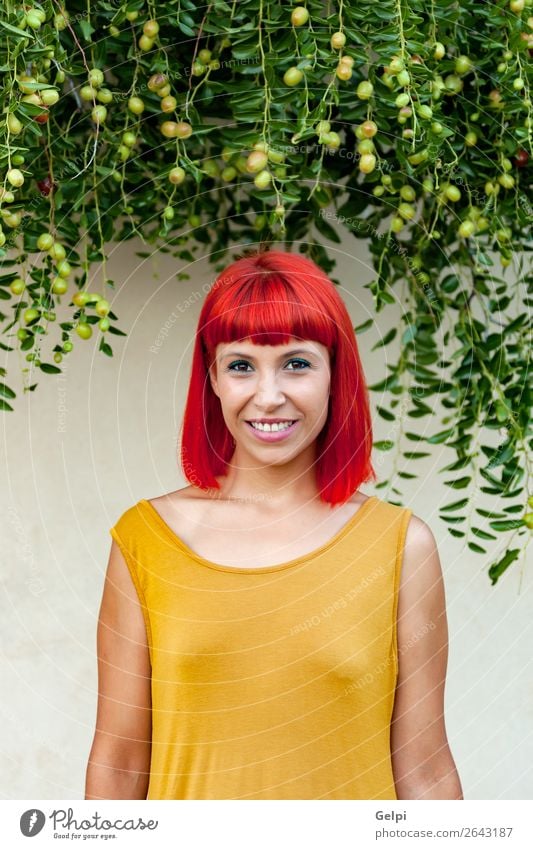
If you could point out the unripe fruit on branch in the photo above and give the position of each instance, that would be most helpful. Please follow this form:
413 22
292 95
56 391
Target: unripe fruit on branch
229 173
299 16
169 129
63 268
59 286
84 330
99 114
30 315
168 104
104 95
407 193
57 251
157 81
96 77
406 211
506 180
343 71
467 228
332 140
136 105
338 40
151 28
14 125
292 76
61 20
102 307
263 179
463 64
15 177
129 138
17 286
184 130
81 299
145 43
369 129
403 78
452 193
365 146
45 241
367 163
87 92
49 96
364 90
256 161
177 175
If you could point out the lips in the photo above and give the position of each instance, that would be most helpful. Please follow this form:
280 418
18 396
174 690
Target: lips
273 435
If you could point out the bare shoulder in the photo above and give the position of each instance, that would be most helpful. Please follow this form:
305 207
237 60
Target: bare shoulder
421 580
178 495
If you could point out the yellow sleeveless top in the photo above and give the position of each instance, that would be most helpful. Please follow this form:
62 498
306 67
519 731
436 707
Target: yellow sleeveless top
274 682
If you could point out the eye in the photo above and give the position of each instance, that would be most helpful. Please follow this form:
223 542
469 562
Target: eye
232 366
300 362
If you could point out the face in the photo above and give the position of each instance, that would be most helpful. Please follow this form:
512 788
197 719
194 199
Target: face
288 382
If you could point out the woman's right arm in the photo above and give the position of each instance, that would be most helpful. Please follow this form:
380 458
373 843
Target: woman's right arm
119 761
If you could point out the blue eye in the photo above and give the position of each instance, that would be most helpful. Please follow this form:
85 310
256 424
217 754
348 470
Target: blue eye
232 366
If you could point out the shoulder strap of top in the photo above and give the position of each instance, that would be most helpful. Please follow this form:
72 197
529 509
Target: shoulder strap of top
128 533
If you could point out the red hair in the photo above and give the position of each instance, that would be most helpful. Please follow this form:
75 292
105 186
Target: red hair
268 298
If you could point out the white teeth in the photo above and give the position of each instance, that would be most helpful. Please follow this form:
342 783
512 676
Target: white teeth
271 428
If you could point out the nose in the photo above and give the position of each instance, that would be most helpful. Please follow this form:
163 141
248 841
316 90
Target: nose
268 393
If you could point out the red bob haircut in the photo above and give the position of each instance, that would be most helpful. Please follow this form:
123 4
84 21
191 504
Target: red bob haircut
269 298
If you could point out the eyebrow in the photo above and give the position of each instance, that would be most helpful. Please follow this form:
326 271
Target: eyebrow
281 356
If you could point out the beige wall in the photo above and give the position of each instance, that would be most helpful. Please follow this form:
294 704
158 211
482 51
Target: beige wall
102 435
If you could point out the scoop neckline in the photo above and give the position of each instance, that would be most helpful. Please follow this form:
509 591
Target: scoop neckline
247 570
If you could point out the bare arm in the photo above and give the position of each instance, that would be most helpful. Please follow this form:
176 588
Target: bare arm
119 761
423 764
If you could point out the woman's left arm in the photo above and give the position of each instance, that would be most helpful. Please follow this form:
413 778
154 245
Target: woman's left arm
422 762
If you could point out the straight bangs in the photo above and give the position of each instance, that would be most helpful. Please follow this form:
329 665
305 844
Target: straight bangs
268 310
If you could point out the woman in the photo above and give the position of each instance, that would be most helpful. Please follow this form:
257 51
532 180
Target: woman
269 631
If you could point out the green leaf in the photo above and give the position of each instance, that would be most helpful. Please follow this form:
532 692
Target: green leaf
49 369
482 534
459 483
477 548
441 437
5 406
385 414
16 31
6 392
455 505
496 570
507 525
384 445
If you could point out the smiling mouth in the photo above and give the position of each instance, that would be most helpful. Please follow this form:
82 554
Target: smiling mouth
276 427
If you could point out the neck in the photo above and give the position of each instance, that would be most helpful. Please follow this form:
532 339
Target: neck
271 486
